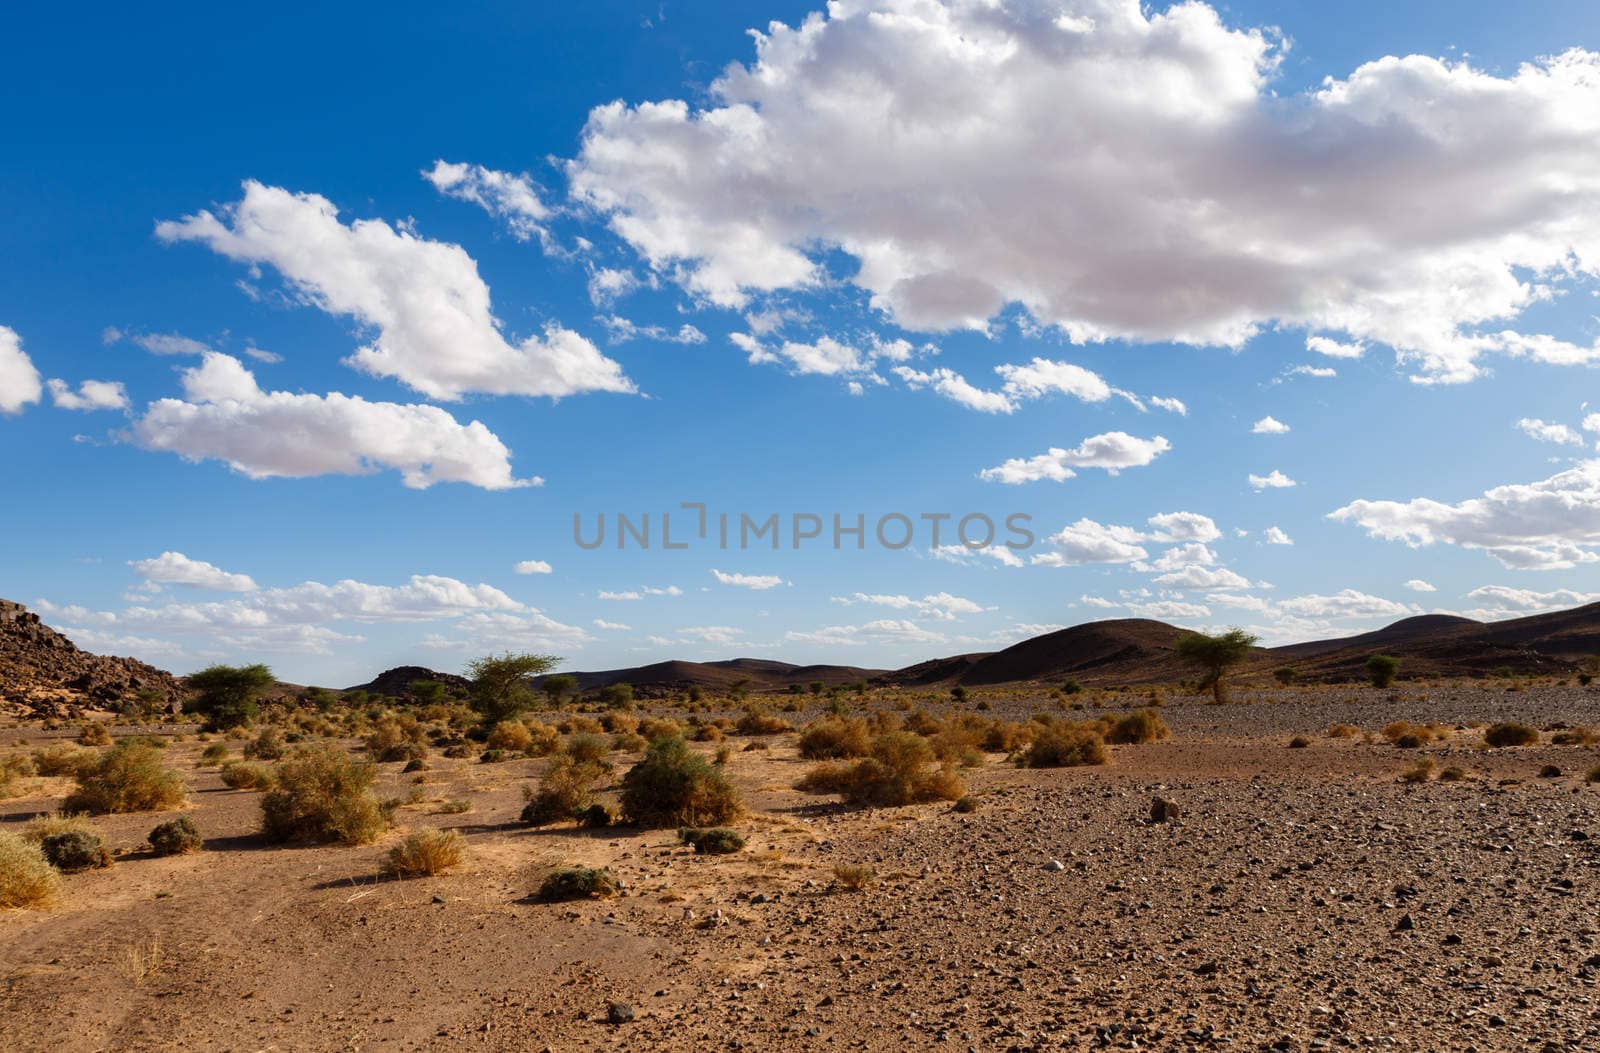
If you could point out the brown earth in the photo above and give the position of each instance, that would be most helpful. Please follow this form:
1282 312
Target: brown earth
1306 899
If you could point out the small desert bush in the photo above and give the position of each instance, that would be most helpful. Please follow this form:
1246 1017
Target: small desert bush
26 880
1422 771
511 736
854 877
956 743
1143 725
1452 774
566 788
73 850
653 728
966 805
1299 742
1002 736
425 853
1343 731
323 795
675 786
566 883
896 773
756 721
242 775
267 746
1593 774
1406 735
834 737
543 739
706 733
126 779
94 735
401 738
56 823
595 817
717 841
1063 744
214 754
62 759
589 747
580 726
457 806
176 837
1510 733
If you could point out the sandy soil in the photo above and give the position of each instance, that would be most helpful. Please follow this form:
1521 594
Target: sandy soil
1305 900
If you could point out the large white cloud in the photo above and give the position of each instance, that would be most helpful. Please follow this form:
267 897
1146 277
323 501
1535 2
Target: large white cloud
1552 524
1346 603
942 606
1122 173
1088 541
19 380
91 395
1112 451
435 327
226 416
174 568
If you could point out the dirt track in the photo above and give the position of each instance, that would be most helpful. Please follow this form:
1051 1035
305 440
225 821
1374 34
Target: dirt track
1269 916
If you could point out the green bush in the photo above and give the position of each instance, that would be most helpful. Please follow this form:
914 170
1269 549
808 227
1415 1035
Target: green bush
565 789
675 786
242 775
267 746
74 850
176 837
322 796
126 778
1381 669
567 883
228 696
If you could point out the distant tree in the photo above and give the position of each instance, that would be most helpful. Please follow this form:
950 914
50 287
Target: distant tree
428 692
1070 686
816 687
502 685
859 687
958 693
1381 668
229 696
740 689
1286 674
320 697
558 687
696 693
617 696
1216 655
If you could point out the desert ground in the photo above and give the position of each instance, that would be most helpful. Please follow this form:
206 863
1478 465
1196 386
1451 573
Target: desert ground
1303 898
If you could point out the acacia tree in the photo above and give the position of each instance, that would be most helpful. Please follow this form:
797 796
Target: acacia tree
502 685
558 687
228 695
1216 655
1381 669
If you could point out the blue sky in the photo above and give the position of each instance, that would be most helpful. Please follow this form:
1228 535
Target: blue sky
885 265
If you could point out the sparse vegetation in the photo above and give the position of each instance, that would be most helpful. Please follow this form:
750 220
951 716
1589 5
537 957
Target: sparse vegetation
267 746
854 877
214 754
1299 742
566 788
126 778
896 773
1063 744
717 841
502 685
1343 731
176 837
1452 774
242 775
94 735
1422 771
323 795
1285 675
73 850
27 881
833 737
425 853
1143 725
675 786
566 883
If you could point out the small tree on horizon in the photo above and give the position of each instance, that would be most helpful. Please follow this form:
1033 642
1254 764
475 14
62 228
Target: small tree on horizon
1381 669
558 687
1216 655
502 685
229 696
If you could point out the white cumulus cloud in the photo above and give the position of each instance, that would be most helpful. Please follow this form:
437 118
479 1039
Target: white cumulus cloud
1112 451
19 380
532 566
1273 480
91 395
1269 426
174 568
513 199
748 581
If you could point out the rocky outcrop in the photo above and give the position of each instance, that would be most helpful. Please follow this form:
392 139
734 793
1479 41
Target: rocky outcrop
43 673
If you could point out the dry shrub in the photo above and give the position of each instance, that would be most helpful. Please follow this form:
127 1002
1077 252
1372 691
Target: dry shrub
545 739
401 738
127 778
1578 736
675 786
854 877
589 747
27 881
1414 735
566 788
1593 775
1510 733
580 726
1299 742
62 759
214 754
957 743
1142 725
1343 731
566 883
757 722
94 735
717 841
617 722
1422 771
923 723
1002 736
426 852
1063 744
629 743
57 823
176 837
323 795
895 774
17 766
1452 774
267 746
653 728
510 735
833 737
242 775
706 733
